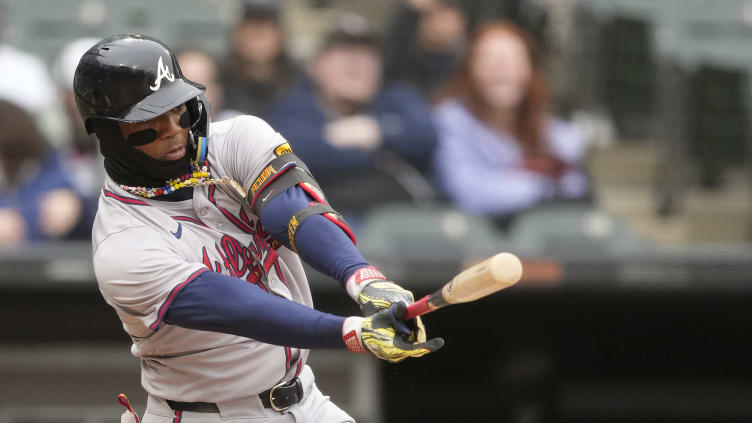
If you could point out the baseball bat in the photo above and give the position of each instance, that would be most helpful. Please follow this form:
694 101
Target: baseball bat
492 274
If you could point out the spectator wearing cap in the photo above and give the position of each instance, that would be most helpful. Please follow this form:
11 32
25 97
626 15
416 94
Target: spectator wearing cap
351 129
258 68
426 42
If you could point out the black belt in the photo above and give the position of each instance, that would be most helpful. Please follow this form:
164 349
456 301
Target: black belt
194 407
279 398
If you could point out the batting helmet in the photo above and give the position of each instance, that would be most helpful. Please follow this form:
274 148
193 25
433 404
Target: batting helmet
134 78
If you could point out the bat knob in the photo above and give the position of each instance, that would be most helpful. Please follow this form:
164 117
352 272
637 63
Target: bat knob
397 313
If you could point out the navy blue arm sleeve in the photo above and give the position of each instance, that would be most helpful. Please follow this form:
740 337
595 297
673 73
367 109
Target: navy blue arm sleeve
319 242
220 303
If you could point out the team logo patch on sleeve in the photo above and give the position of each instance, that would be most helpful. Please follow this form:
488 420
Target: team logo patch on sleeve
283 149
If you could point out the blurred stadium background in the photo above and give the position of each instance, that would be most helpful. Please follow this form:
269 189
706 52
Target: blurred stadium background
633 309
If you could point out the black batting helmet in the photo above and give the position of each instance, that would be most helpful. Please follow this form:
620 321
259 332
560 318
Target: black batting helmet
135 78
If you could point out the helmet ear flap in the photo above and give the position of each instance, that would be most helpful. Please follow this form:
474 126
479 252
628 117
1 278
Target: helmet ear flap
192 142
199 109
185 119
194 112
89 125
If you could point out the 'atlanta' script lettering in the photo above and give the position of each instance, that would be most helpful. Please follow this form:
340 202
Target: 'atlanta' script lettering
251 262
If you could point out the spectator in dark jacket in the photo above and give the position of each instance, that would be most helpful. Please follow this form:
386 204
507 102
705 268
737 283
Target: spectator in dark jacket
258 68
426 42
352 131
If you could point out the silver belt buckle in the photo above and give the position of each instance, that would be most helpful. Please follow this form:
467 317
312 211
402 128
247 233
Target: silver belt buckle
271 396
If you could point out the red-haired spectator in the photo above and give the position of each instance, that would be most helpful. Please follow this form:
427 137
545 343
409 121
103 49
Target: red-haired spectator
500 151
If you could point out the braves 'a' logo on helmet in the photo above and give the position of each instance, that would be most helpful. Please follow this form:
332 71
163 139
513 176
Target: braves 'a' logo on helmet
162 72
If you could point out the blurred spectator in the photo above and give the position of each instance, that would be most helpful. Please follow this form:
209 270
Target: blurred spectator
199 66
354 133
37 201
499 149
258 68
80 151
25 80
426 42
531 15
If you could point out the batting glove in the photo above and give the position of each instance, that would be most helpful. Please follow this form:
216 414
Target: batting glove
373 293
380 335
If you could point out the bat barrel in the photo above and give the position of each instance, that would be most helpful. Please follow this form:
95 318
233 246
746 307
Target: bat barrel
484 278
477 281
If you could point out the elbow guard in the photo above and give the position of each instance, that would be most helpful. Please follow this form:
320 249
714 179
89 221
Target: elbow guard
283 172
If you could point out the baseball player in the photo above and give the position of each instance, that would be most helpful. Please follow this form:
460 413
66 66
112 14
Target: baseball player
197 245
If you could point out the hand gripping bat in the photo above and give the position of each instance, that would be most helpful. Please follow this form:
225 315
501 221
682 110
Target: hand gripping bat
492 274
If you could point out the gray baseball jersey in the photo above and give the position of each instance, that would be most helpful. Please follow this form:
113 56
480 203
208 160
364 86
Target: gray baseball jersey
145 250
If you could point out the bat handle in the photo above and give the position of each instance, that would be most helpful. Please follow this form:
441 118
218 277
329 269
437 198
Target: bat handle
420 307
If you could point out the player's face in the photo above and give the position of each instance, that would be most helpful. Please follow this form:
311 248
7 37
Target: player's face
501 70
172 138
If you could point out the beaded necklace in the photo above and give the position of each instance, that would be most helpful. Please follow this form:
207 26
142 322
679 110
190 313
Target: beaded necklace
198 175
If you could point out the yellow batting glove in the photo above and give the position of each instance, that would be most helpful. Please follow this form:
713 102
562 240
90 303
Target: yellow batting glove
373 293
380 295
378 334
